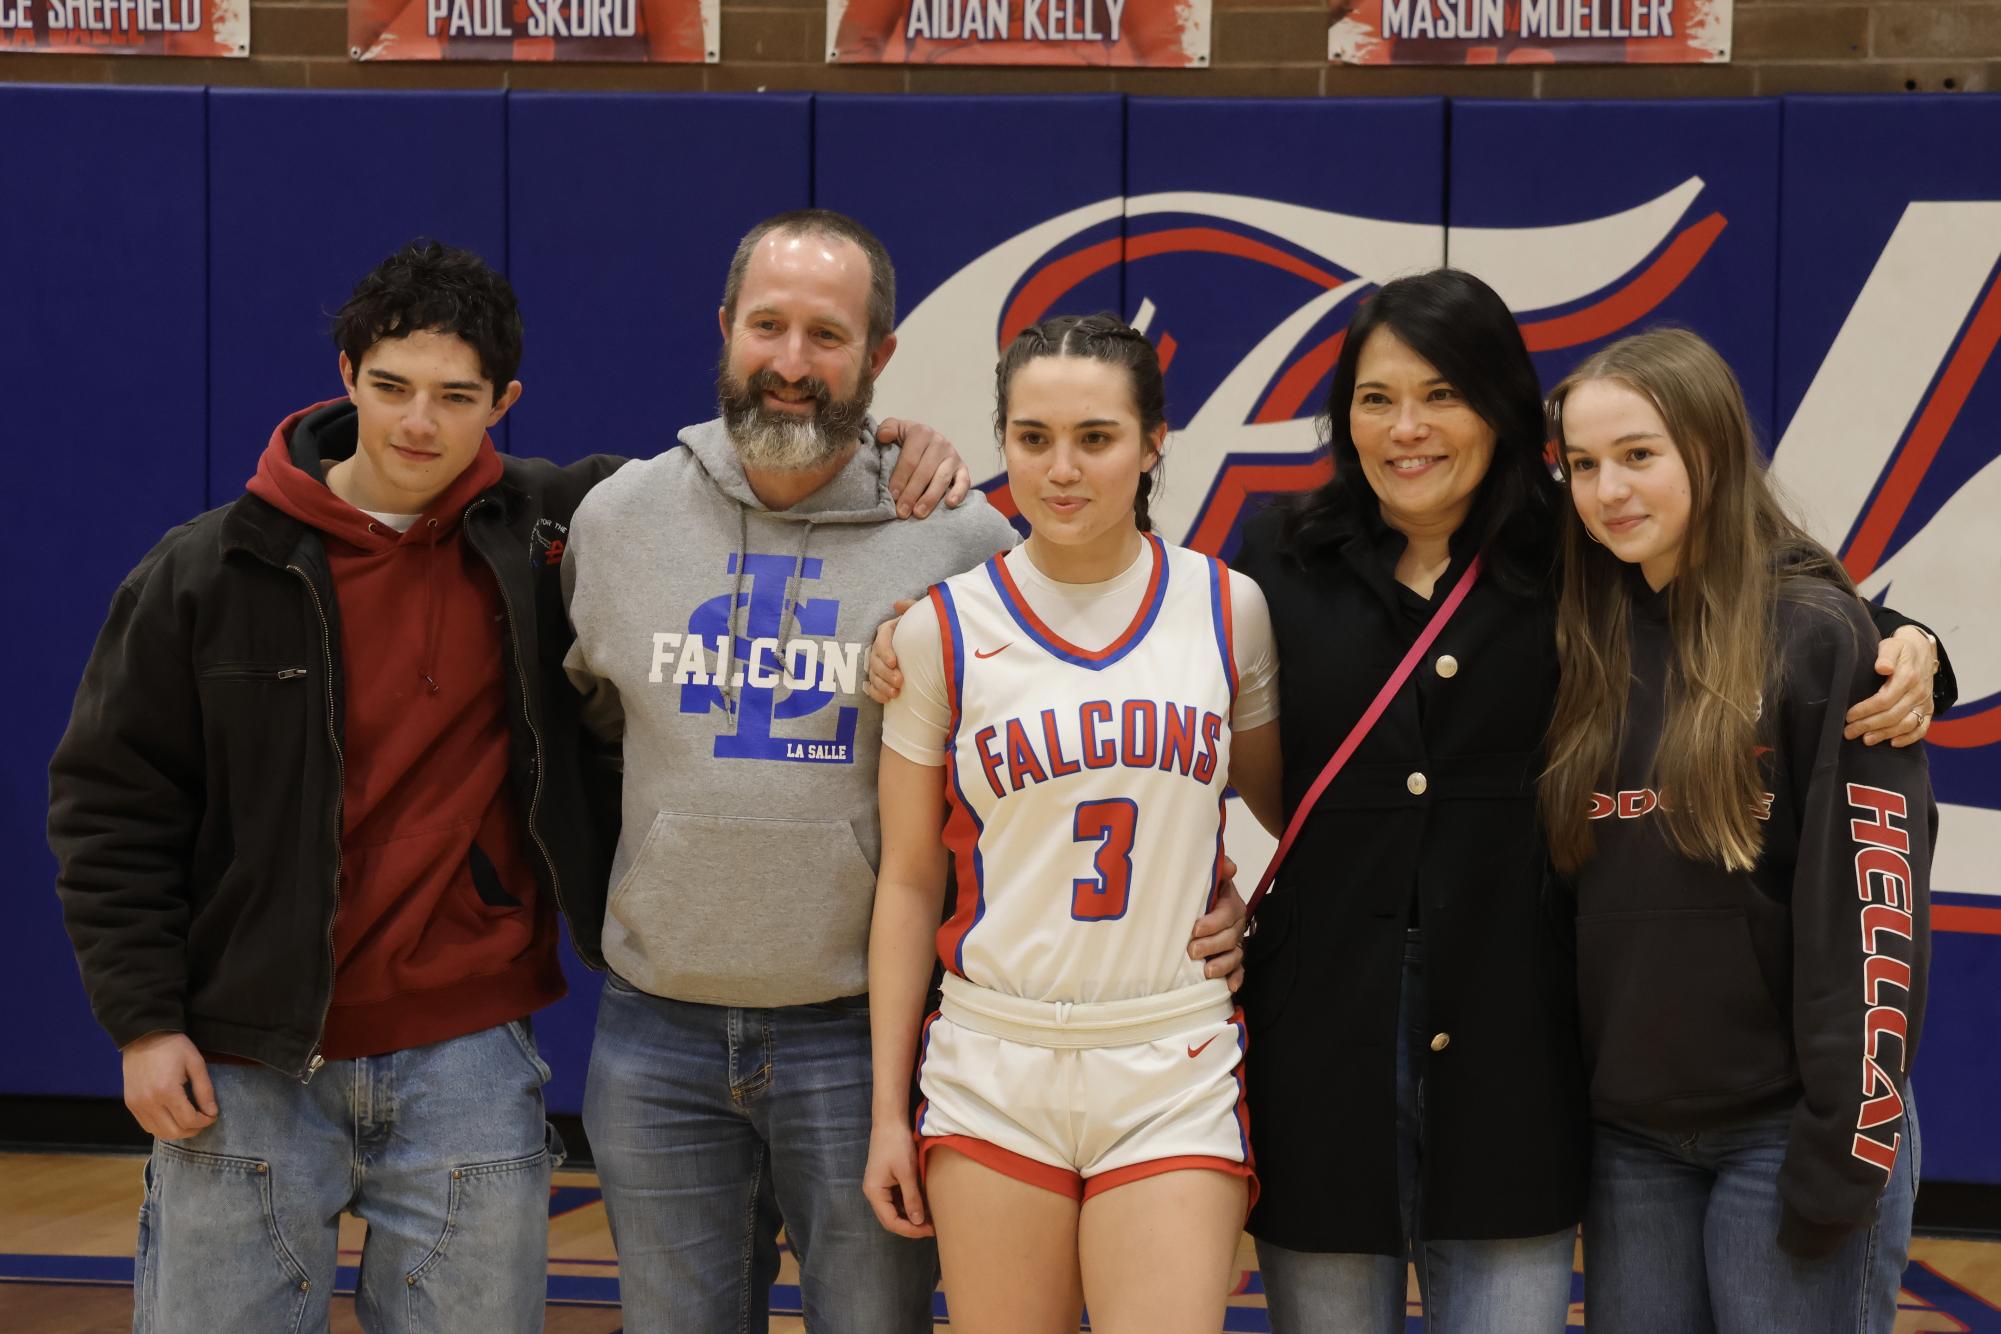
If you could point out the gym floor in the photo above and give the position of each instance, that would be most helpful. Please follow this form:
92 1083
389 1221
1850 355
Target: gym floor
67 1221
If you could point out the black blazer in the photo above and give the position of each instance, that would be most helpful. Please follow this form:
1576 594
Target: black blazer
1438 803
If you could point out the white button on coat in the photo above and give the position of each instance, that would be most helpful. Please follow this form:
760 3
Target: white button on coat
1416 784
1447 665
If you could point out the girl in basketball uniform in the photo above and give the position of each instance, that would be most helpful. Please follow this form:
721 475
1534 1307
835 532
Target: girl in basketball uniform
1071 715
1751 888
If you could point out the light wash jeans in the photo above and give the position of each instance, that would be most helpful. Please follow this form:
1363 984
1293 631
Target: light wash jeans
442 1149
1681 1237
1517 1285
711 1124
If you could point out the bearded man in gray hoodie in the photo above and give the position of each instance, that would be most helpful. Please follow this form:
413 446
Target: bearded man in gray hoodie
724 595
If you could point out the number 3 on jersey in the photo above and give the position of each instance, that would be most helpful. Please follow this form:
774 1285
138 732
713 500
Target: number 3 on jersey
1110 824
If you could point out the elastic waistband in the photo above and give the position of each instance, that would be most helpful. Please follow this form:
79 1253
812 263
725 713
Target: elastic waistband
1120 1023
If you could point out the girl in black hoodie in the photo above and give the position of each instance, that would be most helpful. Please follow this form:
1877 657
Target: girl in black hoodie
1751 888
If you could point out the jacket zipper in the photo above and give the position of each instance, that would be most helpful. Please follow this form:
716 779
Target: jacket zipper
527 709
313 1058
252 674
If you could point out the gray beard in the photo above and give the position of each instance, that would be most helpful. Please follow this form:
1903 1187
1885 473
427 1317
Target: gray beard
772 441
779 442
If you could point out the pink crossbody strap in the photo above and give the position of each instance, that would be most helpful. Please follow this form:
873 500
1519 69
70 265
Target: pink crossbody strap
1364 724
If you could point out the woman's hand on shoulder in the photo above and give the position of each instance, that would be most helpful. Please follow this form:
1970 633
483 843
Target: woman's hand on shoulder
1900 711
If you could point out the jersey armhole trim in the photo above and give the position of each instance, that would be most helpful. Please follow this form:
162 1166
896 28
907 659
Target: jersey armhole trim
953 644
962 826
1221 614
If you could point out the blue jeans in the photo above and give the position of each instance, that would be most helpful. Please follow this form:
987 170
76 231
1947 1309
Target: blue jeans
1681 1237
1515 1285
710 1125
442 1149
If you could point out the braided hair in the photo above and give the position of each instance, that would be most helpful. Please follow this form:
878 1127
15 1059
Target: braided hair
1101 337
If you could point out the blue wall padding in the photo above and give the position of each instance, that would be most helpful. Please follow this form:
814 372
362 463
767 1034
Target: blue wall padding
623 212
1379 158
307 192
944 179
104 375
1856 170
1853 165
1218 298
1958 1083
1543 164
176 257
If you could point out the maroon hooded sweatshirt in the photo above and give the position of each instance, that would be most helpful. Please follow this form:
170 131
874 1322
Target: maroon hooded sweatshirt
441 929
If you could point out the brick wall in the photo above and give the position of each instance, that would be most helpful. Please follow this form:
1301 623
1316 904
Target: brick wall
1266 48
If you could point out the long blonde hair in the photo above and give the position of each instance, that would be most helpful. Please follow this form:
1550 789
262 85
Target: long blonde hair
1721 616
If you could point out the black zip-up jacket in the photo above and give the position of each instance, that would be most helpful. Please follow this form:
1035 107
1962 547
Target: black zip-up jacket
1710 996
198 846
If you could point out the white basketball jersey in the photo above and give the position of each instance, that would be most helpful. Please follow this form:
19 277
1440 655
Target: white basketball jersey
1085 786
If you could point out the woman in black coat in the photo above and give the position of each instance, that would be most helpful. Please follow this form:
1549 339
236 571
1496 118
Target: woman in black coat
1416 1085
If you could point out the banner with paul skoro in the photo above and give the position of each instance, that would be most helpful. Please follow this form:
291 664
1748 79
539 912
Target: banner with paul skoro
658 31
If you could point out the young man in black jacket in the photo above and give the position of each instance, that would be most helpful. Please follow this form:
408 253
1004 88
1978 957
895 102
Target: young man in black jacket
321 798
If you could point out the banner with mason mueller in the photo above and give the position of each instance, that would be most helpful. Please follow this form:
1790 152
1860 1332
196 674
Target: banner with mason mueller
656 31
1528 32
127 27
1172 34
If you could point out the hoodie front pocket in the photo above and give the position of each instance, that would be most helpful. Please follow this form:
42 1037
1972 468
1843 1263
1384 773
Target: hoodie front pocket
1676 1009
486 880
741 910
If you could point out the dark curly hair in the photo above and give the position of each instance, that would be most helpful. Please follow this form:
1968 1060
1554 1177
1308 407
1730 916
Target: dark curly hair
429 285
1101 337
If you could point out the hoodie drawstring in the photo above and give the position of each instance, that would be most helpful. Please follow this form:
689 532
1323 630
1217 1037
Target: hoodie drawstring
736 596
788 615
430 604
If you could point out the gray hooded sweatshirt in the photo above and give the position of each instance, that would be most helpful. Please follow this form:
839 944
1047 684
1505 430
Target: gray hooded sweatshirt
733 639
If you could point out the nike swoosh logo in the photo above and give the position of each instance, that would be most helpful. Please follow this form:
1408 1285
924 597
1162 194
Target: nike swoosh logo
1193 1052
988 653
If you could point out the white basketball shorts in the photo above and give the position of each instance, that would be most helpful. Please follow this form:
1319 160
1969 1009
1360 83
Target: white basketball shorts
1080 1098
